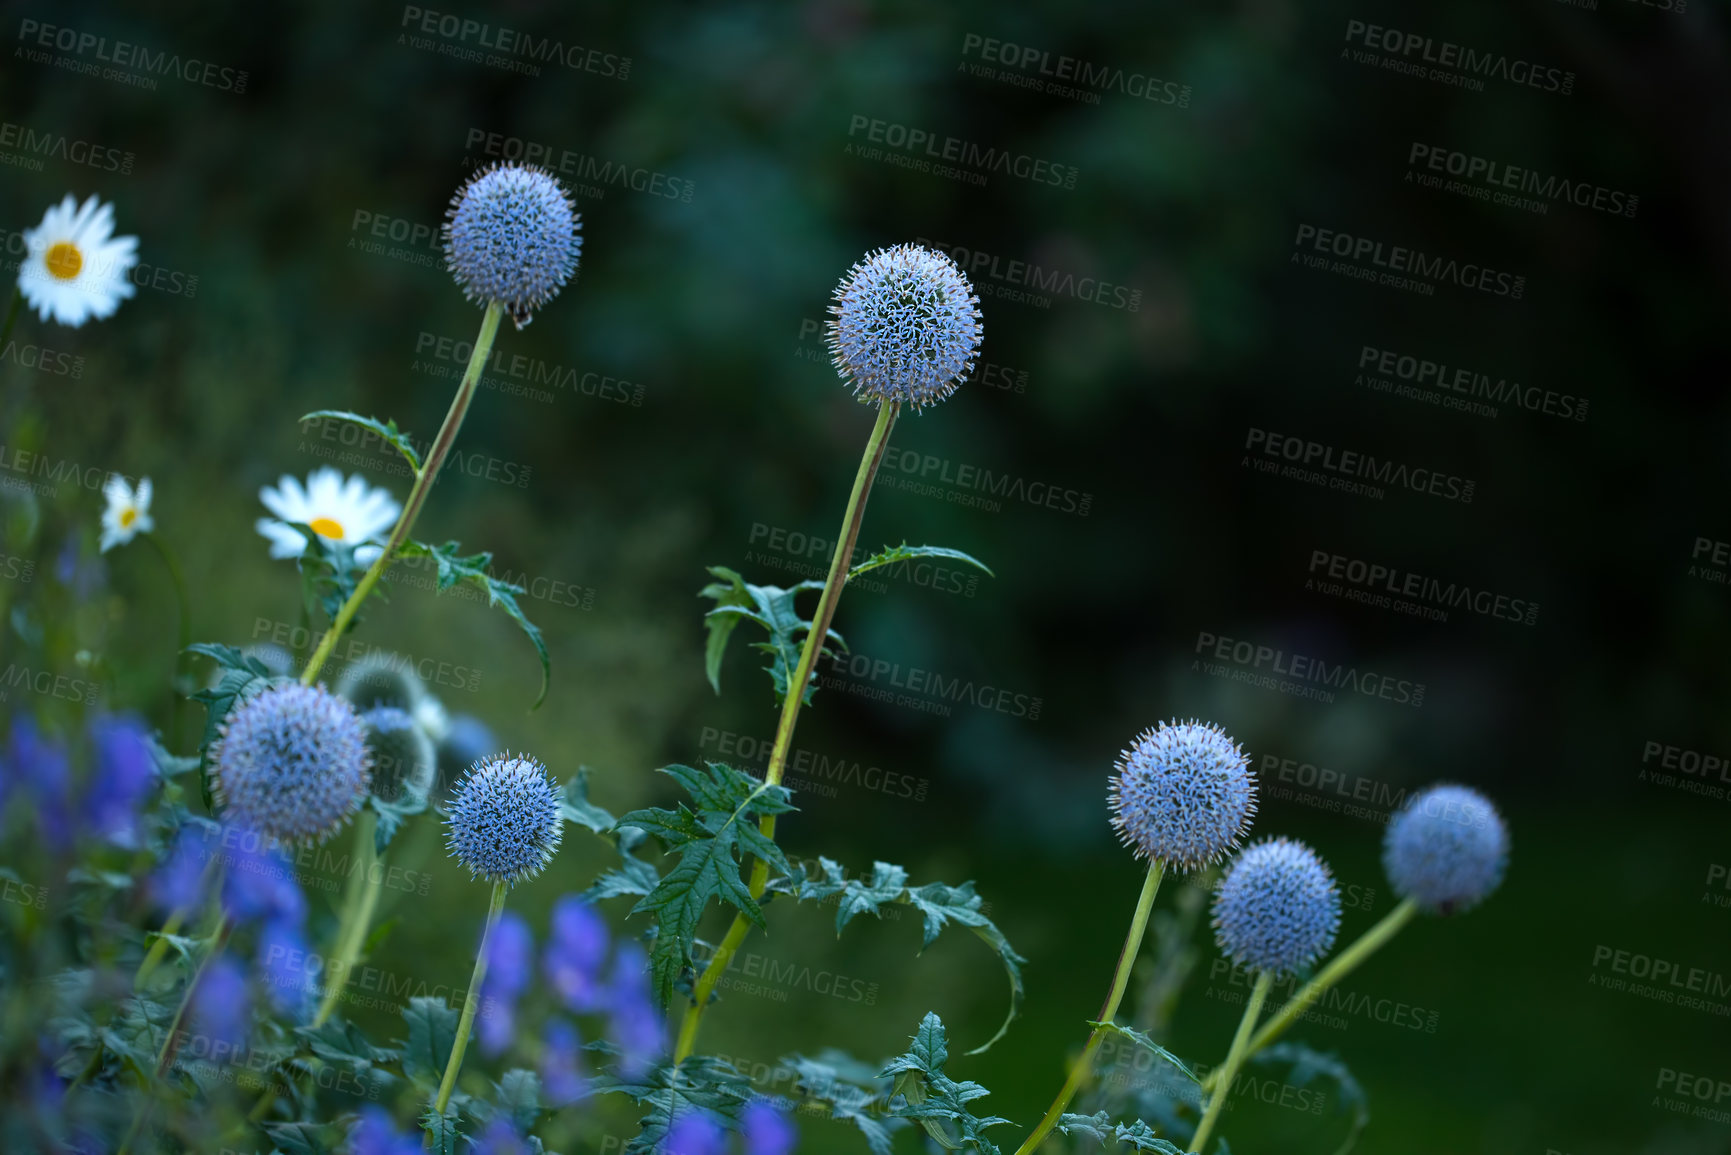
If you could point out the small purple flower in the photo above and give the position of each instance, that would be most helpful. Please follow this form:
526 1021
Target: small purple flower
695 1133
562 1065
282 956
124 775
634 1022
576 951
510 962
39 767
220 1009
499 1137
767 1130
259 883
377 1134
178 882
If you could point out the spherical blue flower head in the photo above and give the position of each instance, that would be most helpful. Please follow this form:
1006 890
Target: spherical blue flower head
1446 849
1184 794
403 756
513 236
1277 908
906 326
292 763
505 822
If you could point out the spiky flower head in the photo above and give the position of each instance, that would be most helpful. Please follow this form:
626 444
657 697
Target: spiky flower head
1184 794
1277 908
292 763
905 326
1446 849
403 755
512 235
382 680
505 822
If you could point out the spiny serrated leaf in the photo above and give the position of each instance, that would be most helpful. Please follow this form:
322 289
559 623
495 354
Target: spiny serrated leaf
299 1138
891 555
574 805
1142 1040
450 569
1100 1128
771 607
432 1032
938 905
729 803
242 676
1097 1126
823 1083
392 815
634 877
671 1090
518 1095
923 1092
387 431
1307 1066
443 1131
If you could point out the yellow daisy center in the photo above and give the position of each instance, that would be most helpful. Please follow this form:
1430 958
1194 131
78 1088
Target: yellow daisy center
325 527
64 260
127 517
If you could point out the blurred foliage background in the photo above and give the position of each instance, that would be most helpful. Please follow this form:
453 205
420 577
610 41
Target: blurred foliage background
705 308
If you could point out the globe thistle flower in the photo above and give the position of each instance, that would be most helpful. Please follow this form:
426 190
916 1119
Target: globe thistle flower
402 754
347 511
1446 849
505 823
1277 908
382 680
292 763
512 235
1183 795
905 327
127 513
74 267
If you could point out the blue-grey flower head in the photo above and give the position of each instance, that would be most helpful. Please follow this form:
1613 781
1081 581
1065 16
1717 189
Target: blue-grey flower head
512 235
382 680
292 763
1277 908
505 821
403 756
1184 794
1446 849
905 327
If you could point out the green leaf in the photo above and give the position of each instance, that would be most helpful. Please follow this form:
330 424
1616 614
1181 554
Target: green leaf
518 1095
574 805
1142 1040
839 1084
771 607
242 676
432 1033
451 569
671 1090
891 555
1100 1128
443 1131
729 804
924 1093
387 431
937 903
1307 1066
299 1138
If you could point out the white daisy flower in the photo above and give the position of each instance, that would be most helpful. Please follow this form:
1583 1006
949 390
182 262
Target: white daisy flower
76 267
128 512
348 511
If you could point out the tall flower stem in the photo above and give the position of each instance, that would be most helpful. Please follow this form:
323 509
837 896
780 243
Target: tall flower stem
1338 968
1234 1058
176 919
359 902
424 478
470 1003
870 460
1083 1067
184 638
171 1042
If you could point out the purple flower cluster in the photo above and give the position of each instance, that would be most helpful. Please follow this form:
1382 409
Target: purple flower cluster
37 770
765 1129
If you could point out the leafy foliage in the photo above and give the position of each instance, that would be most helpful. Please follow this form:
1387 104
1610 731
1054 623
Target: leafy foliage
475 569
771 607
386 431
432 1032
938 904
240 677
896 554
924 1093
1148 1044
1306 1066
669 1090
848 1091
1099 1127
729 804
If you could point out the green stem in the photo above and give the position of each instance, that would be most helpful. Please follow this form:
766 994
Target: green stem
184 638
1083 1067
1229 1069
359 902
171 1043
870 460
461 1043
424 478
1338 968
176 919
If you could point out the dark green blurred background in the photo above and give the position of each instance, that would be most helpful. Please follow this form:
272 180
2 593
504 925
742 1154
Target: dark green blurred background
705 308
